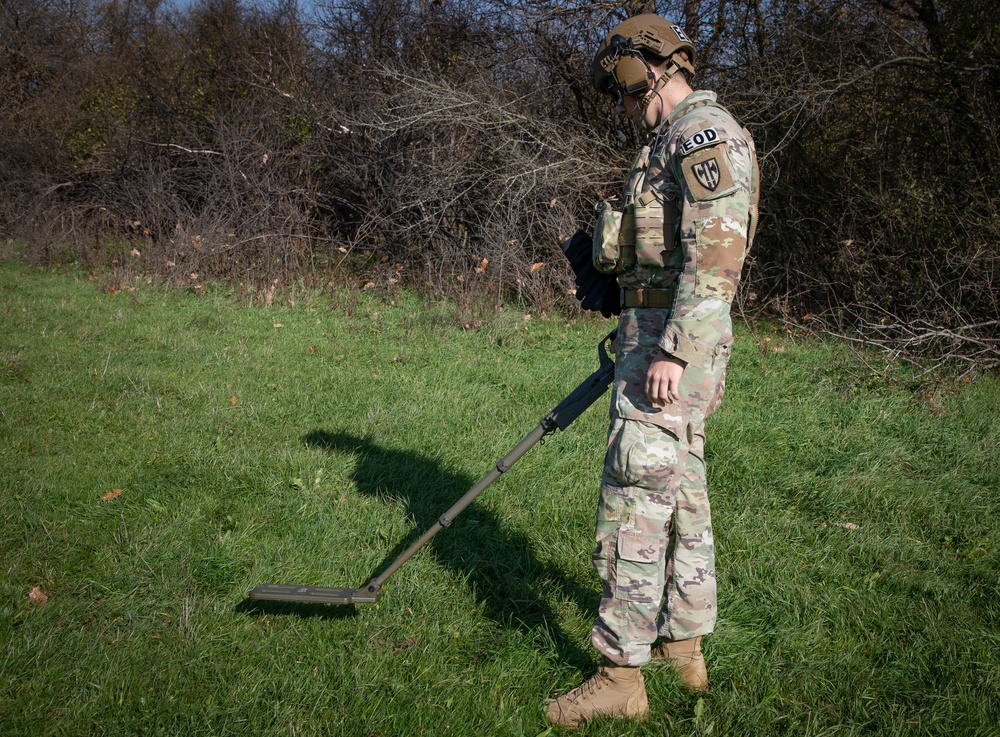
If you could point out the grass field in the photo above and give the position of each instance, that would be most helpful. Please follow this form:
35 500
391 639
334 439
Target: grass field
163 452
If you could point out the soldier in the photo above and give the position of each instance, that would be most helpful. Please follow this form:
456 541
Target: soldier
677 245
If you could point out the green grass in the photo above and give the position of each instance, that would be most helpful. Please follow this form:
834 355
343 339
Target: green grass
856 525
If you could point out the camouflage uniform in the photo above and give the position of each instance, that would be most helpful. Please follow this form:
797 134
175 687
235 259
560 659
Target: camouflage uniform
694 194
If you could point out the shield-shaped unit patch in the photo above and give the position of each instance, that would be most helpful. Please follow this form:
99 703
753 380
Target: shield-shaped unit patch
708 173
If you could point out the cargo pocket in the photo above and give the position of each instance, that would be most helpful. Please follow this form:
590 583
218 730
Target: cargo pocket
618 471
639 572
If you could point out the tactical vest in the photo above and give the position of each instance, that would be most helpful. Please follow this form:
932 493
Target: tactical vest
645 232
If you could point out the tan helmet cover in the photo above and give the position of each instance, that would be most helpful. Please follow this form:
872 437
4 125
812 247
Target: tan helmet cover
618 67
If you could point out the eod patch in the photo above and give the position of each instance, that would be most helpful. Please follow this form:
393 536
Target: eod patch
704 137
708 173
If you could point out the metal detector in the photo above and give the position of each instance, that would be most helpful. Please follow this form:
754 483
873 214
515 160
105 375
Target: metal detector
561 416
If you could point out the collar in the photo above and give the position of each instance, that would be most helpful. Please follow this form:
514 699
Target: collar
695 99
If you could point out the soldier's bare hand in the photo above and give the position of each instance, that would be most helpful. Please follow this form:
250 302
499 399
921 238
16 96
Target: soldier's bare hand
663 380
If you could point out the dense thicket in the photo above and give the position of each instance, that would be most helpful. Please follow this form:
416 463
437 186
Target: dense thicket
453 144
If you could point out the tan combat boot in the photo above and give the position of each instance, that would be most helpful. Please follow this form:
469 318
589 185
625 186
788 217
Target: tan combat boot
614 691
686 659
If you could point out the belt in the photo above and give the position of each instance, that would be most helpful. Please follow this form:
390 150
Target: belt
656 298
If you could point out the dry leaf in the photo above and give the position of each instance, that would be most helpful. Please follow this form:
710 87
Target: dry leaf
536 266
312 349
113 494
404 644
37 596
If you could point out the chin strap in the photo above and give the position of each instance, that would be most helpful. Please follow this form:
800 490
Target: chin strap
655 92
660 84
676 64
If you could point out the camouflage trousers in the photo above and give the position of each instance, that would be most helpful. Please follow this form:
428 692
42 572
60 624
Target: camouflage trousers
655 554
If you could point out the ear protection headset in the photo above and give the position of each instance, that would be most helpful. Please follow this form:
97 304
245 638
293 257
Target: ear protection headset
627 72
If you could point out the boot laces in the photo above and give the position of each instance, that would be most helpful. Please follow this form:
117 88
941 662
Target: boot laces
591 685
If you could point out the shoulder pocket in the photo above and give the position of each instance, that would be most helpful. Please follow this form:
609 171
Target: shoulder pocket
708 173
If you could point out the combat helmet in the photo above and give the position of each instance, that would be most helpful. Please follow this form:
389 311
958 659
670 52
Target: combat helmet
620 68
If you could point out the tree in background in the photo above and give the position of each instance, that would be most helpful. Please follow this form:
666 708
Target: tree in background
454 144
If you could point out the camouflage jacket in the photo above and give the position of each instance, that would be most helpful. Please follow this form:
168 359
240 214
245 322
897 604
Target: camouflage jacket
704 162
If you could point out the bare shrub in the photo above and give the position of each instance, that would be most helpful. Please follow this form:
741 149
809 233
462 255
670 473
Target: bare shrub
462 185
452 145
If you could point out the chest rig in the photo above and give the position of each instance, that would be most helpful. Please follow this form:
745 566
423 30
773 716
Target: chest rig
643 232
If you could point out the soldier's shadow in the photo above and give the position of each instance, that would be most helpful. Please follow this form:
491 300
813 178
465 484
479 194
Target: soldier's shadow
499 563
